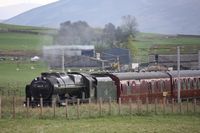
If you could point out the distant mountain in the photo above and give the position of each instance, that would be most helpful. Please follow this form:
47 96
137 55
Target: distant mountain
13 10
159 16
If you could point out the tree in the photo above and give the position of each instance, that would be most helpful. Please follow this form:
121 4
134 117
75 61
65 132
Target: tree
109 34
77 33
129 26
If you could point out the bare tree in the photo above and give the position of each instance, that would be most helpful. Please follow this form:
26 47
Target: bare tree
109 34
129 26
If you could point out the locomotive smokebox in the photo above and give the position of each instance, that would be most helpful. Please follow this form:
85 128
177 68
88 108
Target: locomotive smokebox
41 87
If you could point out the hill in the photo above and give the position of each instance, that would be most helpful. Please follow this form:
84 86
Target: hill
23 40
169 16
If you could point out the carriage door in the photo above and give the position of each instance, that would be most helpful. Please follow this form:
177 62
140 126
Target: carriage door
134 91
150 91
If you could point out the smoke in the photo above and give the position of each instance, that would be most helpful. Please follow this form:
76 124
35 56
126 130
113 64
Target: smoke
53 54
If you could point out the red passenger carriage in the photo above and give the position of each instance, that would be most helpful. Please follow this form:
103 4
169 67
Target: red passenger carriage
151 85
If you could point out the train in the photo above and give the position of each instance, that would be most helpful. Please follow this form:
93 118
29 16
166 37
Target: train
105 85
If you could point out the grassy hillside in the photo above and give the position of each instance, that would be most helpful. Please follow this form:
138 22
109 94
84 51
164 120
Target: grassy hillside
147 40
22 38
28 28
149 43
20 41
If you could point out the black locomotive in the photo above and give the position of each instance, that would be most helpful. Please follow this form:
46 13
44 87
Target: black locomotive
71 86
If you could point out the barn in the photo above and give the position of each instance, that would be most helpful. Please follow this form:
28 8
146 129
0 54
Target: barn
187 61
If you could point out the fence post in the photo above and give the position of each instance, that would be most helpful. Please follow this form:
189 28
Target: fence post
164 105
41 107
147 104
195 103
100 106
13 107
138 105
89 108
78 112
167 102
20 93
187 105
130 105
155 102
120 102
66 108
54 107
27 107
172 105
0 107
180 106
109 105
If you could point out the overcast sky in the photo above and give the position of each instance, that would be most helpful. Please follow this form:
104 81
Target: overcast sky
11 8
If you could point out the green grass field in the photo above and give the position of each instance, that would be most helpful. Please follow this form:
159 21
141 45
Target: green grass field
146 42
116 124
13 79
21 41
11 41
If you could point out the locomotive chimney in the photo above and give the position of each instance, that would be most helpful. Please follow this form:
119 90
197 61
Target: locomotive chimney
156 58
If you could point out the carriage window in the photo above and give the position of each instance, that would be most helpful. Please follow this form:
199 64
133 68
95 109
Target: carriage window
188 84
157 86
198 83
149 88
183 83
121 88
153 87
175 85
161 86
194 83
128 88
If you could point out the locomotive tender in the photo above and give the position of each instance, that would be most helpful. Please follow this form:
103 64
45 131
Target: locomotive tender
128 85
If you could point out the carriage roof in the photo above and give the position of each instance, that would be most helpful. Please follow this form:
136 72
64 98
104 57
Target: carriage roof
156 75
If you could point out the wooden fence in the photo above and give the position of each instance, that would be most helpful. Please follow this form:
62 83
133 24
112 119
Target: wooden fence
12 107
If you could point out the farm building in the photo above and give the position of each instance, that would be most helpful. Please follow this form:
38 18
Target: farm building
187 61
74 56
115 54
72 50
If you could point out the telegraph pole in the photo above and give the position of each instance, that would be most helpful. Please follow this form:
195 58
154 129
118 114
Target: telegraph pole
63 60
118 64
199 59
178 72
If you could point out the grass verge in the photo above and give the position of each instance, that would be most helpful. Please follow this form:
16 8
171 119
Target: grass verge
112 124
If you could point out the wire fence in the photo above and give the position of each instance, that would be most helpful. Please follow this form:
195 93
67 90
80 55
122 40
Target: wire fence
12 107
12 89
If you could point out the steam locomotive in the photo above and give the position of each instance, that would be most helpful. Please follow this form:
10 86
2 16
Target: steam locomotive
129 85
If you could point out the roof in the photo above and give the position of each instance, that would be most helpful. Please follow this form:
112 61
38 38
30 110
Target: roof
185 73
75 47
155 75
114 53
140 75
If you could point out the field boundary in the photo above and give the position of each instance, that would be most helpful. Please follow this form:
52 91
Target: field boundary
12 107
